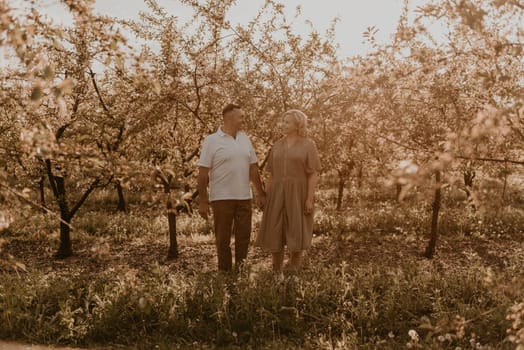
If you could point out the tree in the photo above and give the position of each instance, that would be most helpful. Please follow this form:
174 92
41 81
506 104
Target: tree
54 98
436 101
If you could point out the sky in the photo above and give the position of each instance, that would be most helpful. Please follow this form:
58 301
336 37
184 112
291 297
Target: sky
355 16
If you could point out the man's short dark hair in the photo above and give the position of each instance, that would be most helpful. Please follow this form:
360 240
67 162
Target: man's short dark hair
229 108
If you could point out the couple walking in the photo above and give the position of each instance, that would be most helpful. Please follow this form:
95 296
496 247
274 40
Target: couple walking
228 163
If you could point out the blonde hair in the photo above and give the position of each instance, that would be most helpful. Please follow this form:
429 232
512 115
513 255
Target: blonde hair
300 120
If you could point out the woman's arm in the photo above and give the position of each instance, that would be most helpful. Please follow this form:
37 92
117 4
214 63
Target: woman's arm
269 182
254 175
312 180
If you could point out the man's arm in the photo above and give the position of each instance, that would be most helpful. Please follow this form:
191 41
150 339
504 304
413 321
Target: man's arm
254 176
203 201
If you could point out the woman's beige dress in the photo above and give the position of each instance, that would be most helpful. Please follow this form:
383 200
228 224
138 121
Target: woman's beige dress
283 221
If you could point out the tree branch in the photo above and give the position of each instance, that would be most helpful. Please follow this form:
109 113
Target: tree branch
495 160
25 199
84 197
95 85
51 177
62 129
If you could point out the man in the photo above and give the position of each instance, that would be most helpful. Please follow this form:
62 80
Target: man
228 162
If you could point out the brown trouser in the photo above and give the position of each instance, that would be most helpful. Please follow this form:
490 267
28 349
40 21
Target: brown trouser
231 215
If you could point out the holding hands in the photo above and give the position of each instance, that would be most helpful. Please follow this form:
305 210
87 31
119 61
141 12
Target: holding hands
308 206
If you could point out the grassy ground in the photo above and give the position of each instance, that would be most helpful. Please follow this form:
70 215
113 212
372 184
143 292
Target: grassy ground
365 283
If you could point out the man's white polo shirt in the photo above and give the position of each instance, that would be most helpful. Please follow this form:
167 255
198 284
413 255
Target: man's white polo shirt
228 160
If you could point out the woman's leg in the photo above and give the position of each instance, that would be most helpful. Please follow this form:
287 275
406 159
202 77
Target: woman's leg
278 261
296 260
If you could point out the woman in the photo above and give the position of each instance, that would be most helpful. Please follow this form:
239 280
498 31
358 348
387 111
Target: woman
293 167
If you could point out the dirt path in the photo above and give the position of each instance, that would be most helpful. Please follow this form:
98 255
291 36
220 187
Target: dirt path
197 254
4 345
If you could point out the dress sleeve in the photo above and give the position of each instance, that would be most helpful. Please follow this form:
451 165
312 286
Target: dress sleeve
312 159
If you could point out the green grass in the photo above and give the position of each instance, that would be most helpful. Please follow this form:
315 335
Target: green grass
363 287
355 305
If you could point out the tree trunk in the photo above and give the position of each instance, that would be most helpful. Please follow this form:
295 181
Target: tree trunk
341 185
66 215
360 176
171 217
430 249
469 175
172 252
399 190
122 205
65 249
41 188
504 186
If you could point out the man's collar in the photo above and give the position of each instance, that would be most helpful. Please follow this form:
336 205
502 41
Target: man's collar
222 133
